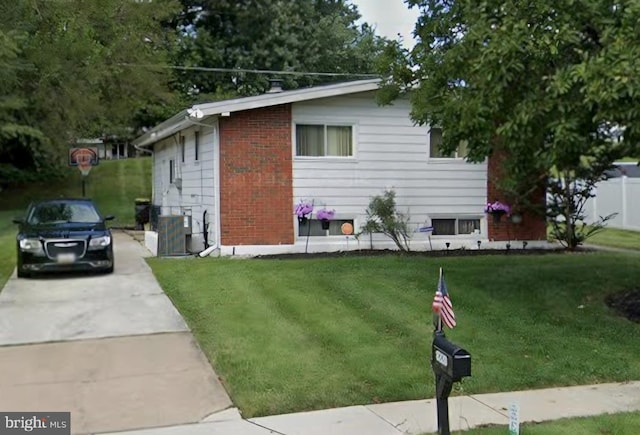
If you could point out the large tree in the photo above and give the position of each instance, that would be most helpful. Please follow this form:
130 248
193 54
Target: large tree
276 35
18 139
77 74
547 85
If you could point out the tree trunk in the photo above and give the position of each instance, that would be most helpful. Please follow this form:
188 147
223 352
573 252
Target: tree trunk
568 215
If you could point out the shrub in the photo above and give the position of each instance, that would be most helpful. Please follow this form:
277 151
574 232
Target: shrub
382 217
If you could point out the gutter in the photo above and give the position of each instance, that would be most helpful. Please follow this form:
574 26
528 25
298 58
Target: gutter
161 131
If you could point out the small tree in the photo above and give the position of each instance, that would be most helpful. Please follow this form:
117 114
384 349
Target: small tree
382 217
568 196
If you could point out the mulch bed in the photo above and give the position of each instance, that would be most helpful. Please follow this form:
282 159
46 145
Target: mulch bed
437 253
626 304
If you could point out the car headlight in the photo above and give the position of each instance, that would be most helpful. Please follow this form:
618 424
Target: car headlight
100 242
32 245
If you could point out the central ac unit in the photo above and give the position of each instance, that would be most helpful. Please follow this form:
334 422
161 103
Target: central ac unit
172 239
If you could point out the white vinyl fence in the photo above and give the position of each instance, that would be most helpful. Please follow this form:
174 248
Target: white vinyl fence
617 195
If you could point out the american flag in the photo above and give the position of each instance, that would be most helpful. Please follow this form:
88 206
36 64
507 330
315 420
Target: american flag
442 304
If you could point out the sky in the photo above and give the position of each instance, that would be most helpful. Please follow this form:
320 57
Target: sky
389 17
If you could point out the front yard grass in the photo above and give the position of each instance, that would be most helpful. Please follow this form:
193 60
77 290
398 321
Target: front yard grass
626 423
293 335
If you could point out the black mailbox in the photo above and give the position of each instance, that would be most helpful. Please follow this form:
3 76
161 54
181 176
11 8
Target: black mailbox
449 359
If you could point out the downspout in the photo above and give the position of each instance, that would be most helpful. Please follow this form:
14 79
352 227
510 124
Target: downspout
216 181
216 186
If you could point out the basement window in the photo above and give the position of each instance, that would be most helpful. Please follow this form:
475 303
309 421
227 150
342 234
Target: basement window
455 226
324 140
335 228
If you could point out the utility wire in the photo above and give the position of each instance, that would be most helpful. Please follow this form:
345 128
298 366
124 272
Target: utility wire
251 71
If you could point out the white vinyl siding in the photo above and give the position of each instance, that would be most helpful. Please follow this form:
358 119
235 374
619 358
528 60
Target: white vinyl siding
389 152
197 181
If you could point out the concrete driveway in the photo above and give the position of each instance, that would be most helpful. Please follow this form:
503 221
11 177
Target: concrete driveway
111 349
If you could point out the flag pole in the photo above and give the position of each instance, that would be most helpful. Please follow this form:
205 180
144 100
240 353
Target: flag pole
440 315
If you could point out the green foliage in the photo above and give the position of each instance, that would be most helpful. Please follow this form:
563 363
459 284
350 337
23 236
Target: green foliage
547 84
288 35
566 211
382 217
66 72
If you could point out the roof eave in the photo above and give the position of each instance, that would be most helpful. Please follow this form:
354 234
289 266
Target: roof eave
173 124
275 99
162 130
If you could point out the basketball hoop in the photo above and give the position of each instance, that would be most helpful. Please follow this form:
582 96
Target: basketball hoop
85 167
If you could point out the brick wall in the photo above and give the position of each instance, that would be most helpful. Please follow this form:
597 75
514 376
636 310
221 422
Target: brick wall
256 186
532 227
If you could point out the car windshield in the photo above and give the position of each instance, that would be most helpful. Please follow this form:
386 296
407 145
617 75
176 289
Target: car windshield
63 212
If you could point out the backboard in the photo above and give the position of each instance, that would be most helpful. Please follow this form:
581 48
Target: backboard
83 155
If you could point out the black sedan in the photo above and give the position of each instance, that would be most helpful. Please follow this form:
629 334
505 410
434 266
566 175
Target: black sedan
63 235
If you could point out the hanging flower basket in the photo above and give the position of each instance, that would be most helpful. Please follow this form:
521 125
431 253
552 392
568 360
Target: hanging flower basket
303 210
497 209
325 217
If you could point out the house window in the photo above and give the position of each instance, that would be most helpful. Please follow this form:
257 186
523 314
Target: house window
182 150
335 228
171 171
455 226
196 146
435 146
324 140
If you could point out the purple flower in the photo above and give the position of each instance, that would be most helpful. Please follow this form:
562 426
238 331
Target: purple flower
303 209
497 207
325 214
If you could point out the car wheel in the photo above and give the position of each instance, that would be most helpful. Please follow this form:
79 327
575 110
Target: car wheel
23 274
109 270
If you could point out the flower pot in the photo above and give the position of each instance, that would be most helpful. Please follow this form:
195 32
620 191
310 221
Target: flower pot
325 223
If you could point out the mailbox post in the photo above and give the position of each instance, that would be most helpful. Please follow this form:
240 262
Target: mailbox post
450 364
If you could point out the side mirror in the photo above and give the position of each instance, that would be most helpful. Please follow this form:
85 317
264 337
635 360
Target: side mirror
17 221
109 217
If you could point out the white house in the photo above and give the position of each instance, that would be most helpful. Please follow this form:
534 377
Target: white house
248 161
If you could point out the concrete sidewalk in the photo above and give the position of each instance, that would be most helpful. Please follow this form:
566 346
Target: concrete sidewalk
419 416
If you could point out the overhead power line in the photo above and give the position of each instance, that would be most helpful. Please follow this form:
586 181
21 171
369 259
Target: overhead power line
251 71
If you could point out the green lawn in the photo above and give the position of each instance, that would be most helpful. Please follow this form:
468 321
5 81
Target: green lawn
7 246
292 335
617 239
613 424
113 185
